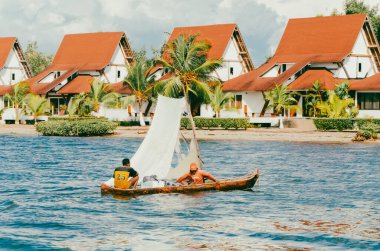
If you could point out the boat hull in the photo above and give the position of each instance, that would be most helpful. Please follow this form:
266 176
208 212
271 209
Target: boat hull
239 183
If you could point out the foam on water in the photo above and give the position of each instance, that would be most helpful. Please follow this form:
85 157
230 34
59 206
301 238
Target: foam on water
309 196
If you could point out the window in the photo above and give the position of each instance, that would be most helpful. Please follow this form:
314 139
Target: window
283 67
13 76
369 100
238 101
360 67
58 74
231 70
118 74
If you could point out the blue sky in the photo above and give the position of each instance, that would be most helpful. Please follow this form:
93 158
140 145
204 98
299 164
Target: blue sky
146 21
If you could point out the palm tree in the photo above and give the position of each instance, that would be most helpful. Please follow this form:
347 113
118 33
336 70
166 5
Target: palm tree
218 99
190 72
101 95
280 99
17 96
140 81
341 90
335 107
315 95
37 105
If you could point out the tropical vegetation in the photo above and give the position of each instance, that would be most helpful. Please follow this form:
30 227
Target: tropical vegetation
37 105
280 99
83 104
140 81
219 99
17 96
37 60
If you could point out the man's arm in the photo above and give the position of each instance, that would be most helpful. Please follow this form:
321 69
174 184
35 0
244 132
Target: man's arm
182 178
209 176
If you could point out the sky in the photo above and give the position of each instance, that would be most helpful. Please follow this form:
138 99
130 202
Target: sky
148 22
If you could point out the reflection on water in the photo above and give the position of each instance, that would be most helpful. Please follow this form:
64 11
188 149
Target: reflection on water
310 197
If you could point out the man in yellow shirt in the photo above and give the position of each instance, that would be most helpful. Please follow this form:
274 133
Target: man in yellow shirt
125 176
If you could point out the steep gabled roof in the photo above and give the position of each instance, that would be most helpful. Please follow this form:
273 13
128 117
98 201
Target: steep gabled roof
332 36
219 36
6 45
87 51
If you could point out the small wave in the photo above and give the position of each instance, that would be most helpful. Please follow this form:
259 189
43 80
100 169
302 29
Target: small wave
7 205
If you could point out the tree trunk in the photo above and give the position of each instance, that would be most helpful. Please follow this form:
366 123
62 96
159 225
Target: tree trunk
193 127
142 122
148 108
17 119
265 106
218 114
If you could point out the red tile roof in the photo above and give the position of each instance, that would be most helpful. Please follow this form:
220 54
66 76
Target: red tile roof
331 38
6 45
217 35
4 89
43 88
120 88
367 84
87 51
306 80
79 84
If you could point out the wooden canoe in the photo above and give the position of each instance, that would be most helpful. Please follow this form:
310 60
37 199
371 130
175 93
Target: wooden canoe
239 183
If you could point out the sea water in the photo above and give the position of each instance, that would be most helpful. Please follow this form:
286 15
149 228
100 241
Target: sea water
309 196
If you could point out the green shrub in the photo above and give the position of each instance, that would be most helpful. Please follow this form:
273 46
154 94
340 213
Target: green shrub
129 123
226 123
325 124
76 118
80 127
364 122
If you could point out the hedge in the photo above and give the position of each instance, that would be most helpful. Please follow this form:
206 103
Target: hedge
76 118
364 122
325 124
343 123
129 123
226 123
81 127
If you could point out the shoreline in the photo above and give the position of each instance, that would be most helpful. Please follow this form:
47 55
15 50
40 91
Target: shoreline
251 134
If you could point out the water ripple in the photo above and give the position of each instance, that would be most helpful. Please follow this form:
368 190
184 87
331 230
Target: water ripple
310 196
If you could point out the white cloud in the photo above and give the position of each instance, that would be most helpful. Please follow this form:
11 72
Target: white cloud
146 21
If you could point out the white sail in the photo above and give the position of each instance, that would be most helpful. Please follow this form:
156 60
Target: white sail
183 166
155 154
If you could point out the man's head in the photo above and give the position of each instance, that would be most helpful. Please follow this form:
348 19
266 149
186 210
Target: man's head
193 168
126 162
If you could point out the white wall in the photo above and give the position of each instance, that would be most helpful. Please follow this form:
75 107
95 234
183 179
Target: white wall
253 100
12 66
369 113
273 72
117 64
231 58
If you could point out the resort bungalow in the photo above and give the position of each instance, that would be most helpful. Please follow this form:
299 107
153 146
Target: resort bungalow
329 49
13 66
79 59
227 44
